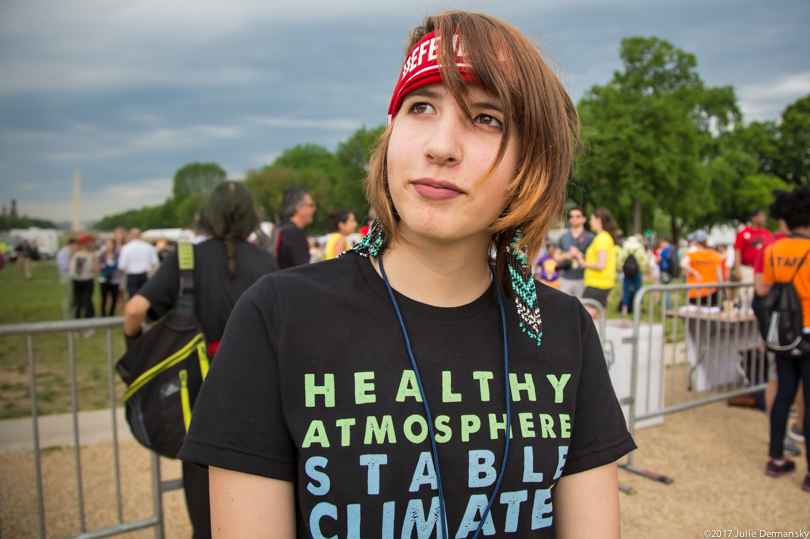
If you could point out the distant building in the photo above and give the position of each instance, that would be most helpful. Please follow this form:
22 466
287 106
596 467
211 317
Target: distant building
13 208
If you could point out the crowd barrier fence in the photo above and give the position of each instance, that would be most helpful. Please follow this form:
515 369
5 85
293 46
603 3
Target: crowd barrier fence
713 354
70 327
692 351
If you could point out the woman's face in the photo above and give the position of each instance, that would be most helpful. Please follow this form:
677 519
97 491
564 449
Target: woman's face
349 226
436 158
596 223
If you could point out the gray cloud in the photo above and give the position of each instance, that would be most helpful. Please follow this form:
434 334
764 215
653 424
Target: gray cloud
128 93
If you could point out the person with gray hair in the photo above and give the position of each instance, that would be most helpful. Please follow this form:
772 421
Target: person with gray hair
289 242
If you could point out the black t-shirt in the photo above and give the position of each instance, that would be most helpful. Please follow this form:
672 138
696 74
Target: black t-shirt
293 247
313 385
214 294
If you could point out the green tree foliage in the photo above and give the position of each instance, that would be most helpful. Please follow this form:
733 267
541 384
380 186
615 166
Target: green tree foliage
335 180
7 223
196 178
651 130
794 142
307 157
740 173
192 183
160 216
267 187
187 210
353 157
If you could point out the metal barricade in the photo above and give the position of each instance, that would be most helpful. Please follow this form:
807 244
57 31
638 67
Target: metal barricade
70 326
701 341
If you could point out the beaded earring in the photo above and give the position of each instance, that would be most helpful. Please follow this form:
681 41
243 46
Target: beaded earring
524 290
372 243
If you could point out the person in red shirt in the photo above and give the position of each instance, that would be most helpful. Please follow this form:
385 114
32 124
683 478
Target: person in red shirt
749 242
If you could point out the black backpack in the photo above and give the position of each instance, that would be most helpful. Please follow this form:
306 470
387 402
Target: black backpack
164 370
674 263
630 266
781 324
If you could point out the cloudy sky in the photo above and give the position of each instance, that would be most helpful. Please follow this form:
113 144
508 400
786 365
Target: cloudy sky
129 91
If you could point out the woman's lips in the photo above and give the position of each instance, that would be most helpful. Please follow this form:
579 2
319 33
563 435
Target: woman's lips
436 189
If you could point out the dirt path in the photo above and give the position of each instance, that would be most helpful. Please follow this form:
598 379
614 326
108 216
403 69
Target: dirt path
715 454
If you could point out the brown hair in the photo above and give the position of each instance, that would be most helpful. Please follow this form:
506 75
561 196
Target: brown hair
338 217
539 114
608 224
228 214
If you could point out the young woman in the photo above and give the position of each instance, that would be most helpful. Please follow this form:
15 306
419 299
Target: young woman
224 267
341 223
599 260
786 260
398 427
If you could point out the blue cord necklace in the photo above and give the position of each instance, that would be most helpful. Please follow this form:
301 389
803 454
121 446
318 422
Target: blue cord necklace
442 515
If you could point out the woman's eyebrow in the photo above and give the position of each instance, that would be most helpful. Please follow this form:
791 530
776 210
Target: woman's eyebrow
424 92
486 105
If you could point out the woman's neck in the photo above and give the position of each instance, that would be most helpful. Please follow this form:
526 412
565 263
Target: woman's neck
437 273
801 231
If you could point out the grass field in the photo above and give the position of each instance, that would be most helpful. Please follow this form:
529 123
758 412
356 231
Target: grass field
41 300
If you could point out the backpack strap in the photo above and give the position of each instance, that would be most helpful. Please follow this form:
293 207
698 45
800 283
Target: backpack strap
185 262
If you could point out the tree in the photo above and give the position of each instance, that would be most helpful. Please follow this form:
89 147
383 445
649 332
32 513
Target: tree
7 223
794 142
353 157
308 157
335 180
740 172
188 210
196 178
267 187
650 132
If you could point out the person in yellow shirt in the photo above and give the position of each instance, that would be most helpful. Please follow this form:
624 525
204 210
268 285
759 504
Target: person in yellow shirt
599 260
342 223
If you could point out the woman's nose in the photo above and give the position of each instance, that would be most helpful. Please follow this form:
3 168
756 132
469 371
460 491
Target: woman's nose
444 145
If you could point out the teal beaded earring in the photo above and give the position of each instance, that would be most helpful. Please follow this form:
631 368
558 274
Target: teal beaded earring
524 290
372 243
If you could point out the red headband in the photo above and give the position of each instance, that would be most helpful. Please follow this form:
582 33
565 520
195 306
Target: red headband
422 67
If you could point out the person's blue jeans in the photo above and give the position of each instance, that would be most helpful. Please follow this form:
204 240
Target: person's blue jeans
666 278
630 283
790 370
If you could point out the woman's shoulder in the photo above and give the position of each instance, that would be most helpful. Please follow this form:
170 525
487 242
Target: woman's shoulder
554 302
319 277
603 238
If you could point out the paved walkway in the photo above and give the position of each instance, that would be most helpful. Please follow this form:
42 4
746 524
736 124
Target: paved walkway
57 430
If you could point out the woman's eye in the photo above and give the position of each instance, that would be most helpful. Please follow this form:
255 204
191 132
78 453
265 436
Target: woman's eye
423 108
486 119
